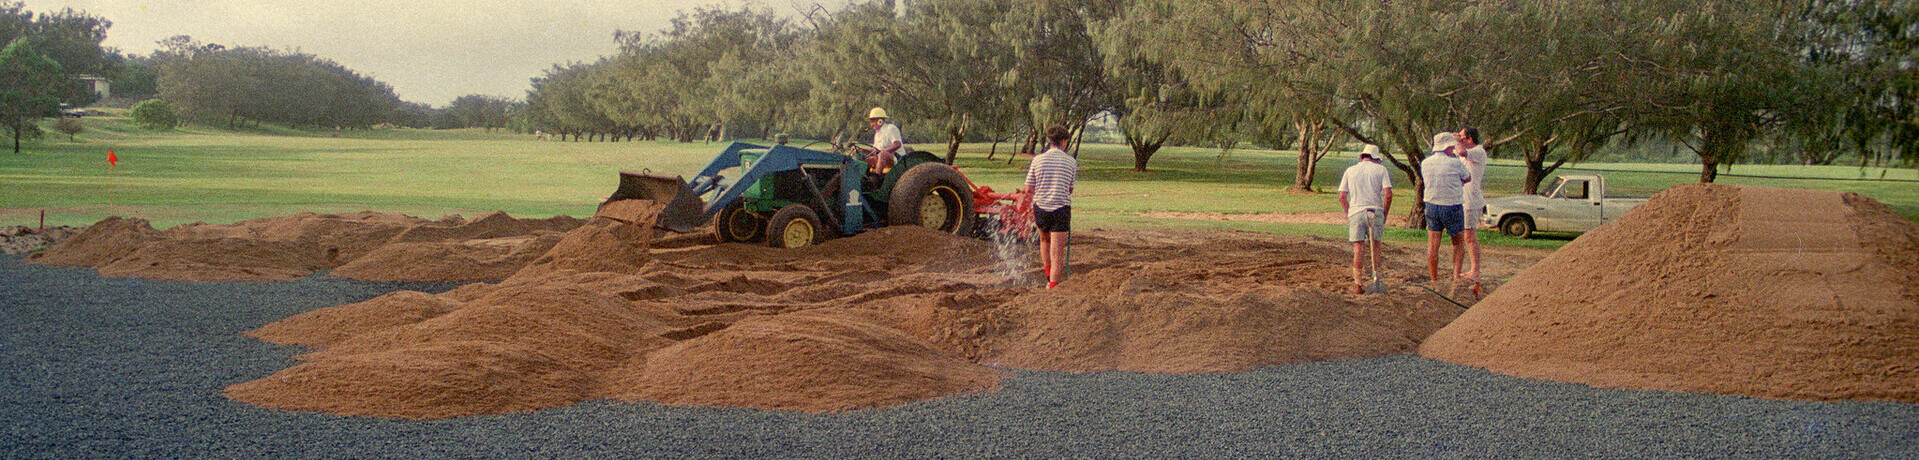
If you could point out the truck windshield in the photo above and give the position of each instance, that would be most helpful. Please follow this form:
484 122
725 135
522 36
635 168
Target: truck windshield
1568 189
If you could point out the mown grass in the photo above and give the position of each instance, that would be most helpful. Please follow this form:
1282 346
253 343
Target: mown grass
214 175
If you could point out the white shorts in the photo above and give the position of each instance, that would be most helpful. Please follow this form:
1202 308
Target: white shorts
1359 226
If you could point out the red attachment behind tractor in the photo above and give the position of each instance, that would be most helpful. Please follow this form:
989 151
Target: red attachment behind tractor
1013 211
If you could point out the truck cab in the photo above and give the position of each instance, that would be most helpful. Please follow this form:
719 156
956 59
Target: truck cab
1574 203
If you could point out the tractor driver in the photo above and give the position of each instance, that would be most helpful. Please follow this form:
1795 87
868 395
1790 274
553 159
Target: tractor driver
888 144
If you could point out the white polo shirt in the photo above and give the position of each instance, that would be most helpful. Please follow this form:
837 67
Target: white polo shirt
887 135
1475 191
1443 173
1365 185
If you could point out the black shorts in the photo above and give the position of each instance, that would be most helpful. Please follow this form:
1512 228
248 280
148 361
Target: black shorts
1060 220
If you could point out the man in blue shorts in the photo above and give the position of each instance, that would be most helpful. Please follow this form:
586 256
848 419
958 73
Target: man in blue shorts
1050 179
1446 175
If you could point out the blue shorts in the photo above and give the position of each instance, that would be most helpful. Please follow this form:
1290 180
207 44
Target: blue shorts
1446 218
1058 220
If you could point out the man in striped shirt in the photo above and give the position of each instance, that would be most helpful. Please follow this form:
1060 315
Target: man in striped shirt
1050 179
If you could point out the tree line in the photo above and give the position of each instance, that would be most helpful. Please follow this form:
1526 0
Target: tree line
1547 81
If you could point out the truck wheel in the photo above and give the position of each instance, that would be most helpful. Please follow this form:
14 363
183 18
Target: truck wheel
1517 226
935 196
794 226
735 225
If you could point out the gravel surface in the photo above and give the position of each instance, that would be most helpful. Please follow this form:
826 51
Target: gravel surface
93 367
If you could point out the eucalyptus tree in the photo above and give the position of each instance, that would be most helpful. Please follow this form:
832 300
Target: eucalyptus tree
846 76
68 37
482 111
559 102
1058 57
1714 75
1160 105
1378 71
31 87
1867 53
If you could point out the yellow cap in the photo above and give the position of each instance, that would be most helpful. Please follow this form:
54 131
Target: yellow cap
876 113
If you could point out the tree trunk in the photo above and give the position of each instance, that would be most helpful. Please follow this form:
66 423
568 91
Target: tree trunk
1304 168
1536 169
1708 169
955 133
1142 153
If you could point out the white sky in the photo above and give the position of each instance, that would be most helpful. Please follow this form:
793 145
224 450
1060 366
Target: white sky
430 51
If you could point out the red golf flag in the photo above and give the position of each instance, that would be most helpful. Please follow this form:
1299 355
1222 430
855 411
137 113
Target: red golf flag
112 160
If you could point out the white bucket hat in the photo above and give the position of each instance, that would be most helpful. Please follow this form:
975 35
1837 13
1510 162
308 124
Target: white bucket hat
1371 151
1443 141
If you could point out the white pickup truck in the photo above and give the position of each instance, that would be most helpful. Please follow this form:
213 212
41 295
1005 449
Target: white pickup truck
1576 203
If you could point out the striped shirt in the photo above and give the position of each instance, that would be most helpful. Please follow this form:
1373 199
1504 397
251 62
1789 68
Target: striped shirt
1050 178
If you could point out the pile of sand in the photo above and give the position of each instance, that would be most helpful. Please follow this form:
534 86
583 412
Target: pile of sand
1713 288
396 246
1153 302
489 248
889 316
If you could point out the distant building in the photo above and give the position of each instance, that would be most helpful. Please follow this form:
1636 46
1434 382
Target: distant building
101 86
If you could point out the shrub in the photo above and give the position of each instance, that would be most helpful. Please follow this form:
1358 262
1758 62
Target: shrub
69 126
155 114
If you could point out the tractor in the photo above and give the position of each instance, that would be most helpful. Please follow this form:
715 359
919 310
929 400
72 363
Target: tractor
792 197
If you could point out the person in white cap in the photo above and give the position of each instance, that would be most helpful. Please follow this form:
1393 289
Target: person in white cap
1446 175
1366 193
888 143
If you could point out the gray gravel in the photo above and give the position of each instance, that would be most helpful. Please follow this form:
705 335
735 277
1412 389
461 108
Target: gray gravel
115 368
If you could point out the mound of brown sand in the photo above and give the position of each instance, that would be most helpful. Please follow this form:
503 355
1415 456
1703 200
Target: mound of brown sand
294 246
434 380
889 316
490 259
811 360
1754 291
491 225
103 242
1154 302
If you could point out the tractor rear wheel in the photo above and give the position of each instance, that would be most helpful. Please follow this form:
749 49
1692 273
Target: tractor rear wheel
735 225
935 196
794 226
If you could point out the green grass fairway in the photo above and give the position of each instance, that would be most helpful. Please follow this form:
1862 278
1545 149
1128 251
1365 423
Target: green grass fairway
217 176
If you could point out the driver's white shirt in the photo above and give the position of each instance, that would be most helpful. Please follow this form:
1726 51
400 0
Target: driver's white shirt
887 135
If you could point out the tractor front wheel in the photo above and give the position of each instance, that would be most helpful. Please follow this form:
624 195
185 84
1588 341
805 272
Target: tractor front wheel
735 225
794 226
935 196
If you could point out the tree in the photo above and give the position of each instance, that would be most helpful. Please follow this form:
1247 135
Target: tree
69 126
208 82
31 87
1725 73
482 111
155 114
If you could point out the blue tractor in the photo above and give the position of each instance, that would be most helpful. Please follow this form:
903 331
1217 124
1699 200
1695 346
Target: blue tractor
791 197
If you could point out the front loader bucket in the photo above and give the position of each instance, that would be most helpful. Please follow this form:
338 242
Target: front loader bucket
681 212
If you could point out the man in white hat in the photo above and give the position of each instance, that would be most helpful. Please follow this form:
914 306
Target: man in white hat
1446 175
1366 193
888 143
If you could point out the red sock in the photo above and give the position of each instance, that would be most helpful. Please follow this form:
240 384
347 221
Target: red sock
1052 284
